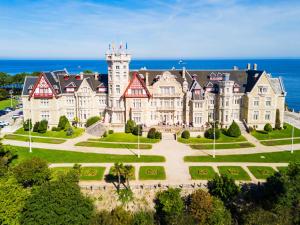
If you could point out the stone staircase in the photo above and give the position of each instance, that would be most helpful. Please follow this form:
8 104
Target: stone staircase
97 129
243 126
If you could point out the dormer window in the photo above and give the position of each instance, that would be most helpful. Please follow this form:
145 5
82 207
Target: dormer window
70 87
30 88
262 90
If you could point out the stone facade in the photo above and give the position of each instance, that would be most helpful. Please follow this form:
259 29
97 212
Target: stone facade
155 97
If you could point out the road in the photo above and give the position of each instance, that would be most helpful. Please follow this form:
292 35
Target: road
13 125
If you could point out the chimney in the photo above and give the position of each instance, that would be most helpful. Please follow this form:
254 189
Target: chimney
146 78
66 77
248 66
183 73
96 74
255 66
81 75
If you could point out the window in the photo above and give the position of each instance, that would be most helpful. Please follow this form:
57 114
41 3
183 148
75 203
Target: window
124 67
118 89
136 117
110 89
70 114
255 115
102 100
137 91
227 102
70 100
268 115
117 67
45 115
44 102
262 90
84 90
167 90
118 104
256 101
236 101
198 118
212 101
268 101
137 103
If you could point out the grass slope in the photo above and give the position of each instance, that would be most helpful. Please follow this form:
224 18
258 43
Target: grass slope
277 134
125 137
280 142
236 172
55 134
223 139
6 103
223 146
57 156
34 139
201 172
112 145
275 157
152 173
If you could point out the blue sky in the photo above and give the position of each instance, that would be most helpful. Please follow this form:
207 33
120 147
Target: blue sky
82 29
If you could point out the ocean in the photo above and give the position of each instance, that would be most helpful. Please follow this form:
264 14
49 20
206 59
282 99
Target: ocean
288 69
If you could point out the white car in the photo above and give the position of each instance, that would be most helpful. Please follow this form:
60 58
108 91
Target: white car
4 123
15 116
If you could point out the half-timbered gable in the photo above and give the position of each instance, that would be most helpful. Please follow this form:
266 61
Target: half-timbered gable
136 88
42 88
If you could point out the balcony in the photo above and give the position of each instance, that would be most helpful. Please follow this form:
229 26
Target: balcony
43 95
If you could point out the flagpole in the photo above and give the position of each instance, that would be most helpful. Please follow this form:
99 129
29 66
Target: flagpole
30 127
139 151
293 130
214 151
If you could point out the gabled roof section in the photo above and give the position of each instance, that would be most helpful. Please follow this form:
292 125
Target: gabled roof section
136 77
28 84
72 85
42 75
195 86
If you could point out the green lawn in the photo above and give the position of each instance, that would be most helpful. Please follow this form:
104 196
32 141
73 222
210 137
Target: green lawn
236 172
280 142
277 134
57 156
223 139
152 173
112 145
6 103
125 137
34 139
201 172
275 157
130 178
86 173
55 134
223 146
282 168
261 172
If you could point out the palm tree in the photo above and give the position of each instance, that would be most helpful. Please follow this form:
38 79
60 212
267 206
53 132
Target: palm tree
128 172
117 170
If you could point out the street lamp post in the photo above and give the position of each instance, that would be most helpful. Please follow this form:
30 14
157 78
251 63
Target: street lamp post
214 151
293 130
11 92
139 151
29 131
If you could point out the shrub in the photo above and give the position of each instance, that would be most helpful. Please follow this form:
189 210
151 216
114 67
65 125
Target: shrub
69 131
43 126
55 129
268 127
185 134
130 125
104 134
199 136
251 129
32 171
27 125
151 133
36 127
284 126
92 120
277 120
138 130
158 135
210 133
234 130
110 132
143 218
63 123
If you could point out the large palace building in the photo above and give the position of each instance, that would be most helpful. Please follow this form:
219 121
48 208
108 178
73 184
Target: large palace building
155 97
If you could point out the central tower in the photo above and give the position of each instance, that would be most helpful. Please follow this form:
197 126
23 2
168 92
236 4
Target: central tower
118 77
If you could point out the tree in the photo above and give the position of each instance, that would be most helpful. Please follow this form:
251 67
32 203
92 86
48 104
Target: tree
158 135
43 125
224 188
117 170
4 78
128 172
117 216
63 123
31 172
58 202
92 120
27 125
268 127
277 120
69 131
151 133
220 215
201 206
234 130
88 72
36 127
209 133
3 94
129 126
143 218
138 130
185 134
169 206
7 155
12 201
259 216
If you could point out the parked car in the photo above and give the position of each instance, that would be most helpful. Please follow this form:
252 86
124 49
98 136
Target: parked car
15 116
4 123
20 113
8 109
2 112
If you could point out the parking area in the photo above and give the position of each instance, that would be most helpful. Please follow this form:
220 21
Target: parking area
14 124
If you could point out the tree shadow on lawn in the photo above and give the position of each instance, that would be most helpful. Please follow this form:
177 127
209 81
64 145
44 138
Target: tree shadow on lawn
109 178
